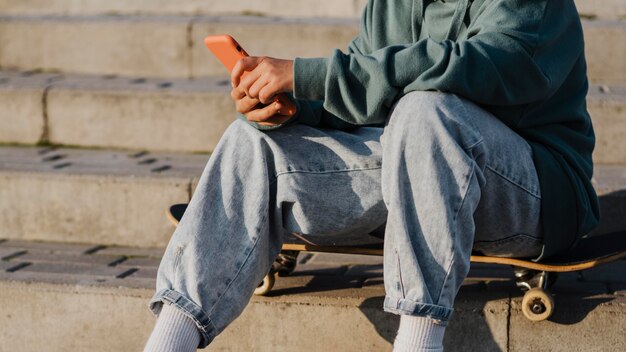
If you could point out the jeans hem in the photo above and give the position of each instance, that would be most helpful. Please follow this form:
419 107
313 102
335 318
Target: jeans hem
408 307
190 309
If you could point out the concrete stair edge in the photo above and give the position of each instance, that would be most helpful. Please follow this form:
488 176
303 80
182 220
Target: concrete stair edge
92 304
285 8
181 115
126 45
120 198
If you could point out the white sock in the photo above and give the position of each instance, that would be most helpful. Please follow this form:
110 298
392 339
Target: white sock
419 334
174 331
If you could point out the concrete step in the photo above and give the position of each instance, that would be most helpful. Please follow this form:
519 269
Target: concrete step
90 196
295 8
171 46
614 9
283 8
120 198
101 291
181 115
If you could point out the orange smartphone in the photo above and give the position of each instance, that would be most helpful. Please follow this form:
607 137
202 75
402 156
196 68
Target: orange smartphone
228 51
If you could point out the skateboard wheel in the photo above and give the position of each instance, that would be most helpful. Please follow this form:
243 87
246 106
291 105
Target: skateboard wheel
266 285
537 304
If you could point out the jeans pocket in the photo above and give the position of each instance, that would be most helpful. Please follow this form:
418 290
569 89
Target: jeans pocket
516 246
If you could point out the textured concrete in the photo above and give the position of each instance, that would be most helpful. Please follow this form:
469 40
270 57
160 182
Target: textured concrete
605 50
175 115
72 318
114 197
314 309
171 46
21 109
85 316
90 196
615 9
607 106
295 8
188 115
99 45
580 323
311 302
610 182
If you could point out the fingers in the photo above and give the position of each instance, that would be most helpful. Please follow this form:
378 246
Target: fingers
265 113
246 64
246 105
275 120
256 87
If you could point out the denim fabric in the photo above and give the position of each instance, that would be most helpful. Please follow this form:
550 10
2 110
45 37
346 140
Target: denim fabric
443 174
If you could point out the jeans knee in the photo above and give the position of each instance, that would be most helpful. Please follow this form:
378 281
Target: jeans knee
429 117
242 135
420 106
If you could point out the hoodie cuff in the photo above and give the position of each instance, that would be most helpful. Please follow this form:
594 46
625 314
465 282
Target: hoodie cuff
309 77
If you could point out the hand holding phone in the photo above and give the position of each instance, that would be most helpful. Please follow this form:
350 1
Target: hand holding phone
229 52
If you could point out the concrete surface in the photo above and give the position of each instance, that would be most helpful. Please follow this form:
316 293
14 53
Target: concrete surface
171 46
99 45
116 197
93 302
175 115
615 9
612 207
605 50
21 111
184 115
295 8
92 196
607 107
581 323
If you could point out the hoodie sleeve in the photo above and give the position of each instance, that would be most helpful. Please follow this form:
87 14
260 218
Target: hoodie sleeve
516 52
311 111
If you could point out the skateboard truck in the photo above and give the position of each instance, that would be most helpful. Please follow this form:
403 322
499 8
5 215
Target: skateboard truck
538 303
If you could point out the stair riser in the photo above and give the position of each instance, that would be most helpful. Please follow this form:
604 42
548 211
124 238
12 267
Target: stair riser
84 318
113 210
172 46
185 116
296 8
120 199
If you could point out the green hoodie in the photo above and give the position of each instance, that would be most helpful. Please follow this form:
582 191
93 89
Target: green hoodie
521 60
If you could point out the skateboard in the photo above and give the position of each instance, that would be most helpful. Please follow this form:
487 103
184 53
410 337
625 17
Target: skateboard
533 278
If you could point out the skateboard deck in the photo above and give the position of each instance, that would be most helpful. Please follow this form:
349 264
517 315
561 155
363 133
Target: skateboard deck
531 276
588 253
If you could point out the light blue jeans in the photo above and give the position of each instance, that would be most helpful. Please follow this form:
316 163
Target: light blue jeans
445 176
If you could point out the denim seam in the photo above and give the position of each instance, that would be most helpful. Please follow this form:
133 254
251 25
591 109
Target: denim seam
513 182
326 172
512 237
471 146
453 257
238 271
400 273
256 241
207 329
470 123
396 309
